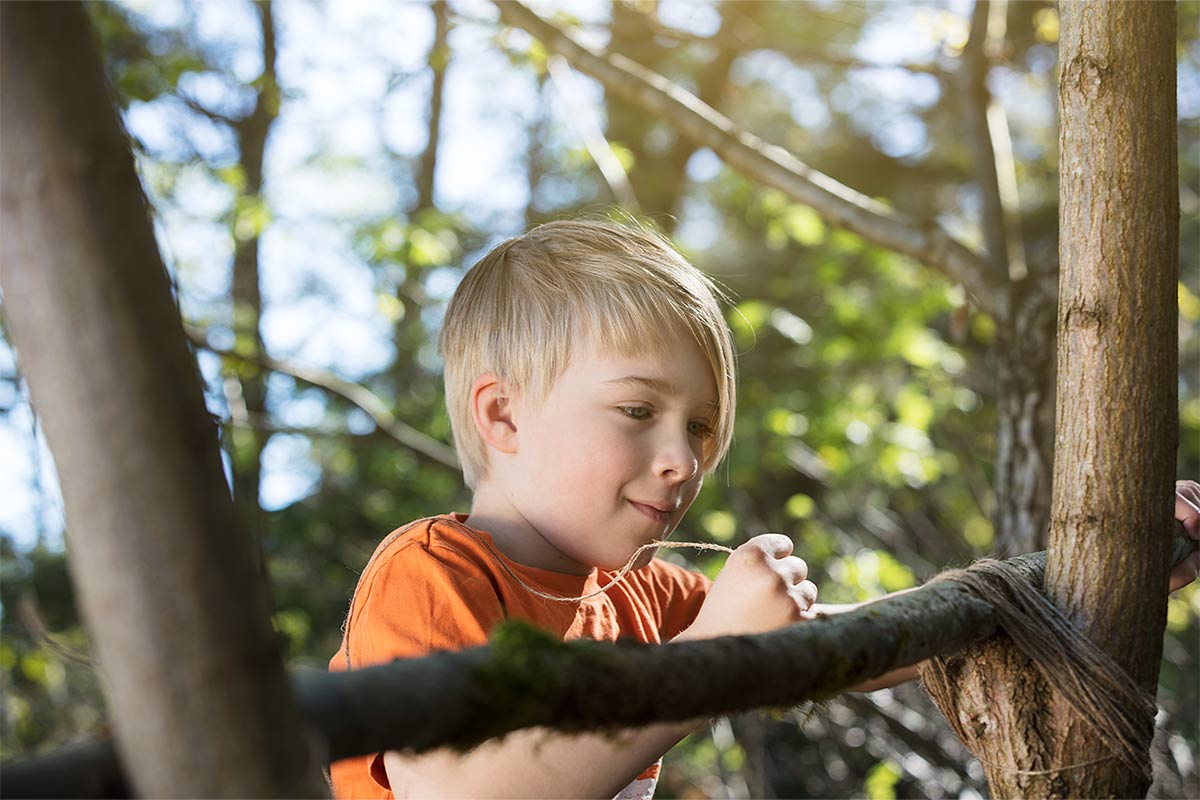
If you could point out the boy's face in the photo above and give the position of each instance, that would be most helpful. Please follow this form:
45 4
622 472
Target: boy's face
610 460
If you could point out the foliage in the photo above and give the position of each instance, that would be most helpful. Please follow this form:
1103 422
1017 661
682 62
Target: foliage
867 406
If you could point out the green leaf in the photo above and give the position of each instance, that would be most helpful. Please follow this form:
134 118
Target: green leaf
804 225
800 506
881 781
721 525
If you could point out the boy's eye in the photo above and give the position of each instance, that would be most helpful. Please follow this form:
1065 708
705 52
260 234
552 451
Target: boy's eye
635 412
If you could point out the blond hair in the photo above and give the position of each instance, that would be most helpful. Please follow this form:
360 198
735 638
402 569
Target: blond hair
519 311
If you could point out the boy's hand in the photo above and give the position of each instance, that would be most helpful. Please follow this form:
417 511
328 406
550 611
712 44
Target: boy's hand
762 587
1187 511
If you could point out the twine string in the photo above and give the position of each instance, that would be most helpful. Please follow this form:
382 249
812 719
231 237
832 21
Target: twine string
1087 678
621 573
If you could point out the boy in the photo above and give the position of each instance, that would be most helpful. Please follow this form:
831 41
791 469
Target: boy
590 385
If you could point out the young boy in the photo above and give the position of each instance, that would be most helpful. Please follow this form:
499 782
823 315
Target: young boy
590 386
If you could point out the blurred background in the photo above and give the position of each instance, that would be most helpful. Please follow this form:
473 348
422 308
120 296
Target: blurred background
321 174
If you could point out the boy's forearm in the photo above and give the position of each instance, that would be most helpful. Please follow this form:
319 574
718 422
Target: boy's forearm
536 763
887 679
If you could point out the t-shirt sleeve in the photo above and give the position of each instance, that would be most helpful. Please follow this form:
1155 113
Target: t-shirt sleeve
419 600
683 592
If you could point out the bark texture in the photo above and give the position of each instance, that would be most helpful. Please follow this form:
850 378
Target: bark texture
164 572
1116 416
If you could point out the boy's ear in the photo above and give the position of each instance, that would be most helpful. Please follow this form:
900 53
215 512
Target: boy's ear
491 411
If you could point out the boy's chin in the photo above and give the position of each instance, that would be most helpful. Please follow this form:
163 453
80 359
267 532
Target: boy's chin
645 557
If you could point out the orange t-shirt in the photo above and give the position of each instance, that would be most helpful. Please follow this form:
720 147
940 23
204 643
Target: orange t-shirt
433 585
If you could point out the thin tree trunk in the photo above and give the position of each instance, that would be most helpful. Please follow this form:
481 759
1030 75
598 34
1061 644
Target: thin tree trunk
711 84
1025 395
409 332
164 572
1117 418
534 169
439 60
249 443
1116 409
660 178
1024 348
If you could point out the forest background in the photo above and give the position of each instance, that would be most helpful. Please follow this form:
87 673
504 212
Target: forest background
321 175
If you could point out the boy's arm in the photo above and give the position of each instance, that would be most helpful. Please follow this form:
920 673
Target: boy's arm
761 587
535 763
887 679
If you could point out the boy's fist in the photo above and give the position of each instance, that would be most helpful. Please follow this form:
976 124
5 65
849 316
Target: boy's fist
1187 511
762 587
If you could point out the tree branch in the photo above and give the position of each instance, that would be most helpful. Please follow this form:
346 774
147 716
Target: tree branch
588 127
30 614
925 241
748 38
213 116
356 393
529 678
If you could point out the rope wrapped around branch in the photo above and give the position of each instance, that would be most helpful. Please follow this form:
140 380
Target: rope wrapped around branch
1096 686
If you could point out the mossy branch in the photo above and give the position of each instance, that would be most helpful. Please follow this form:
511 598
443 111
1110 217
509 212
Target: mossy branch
527 678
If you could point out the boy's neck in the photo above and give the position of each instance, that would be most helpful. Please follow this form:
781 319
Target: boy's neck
514 536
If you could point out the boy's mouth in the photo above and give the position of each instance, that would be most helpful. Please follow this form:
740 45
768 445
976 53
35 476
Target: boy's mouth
656 512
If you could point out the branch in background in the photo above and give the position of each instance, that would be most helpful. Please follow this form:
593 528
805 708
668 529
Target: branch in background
847 60
31 617
208 113
917 733
588 127
991 145
533 153
264 423
356 393
747 38
925 241
752 37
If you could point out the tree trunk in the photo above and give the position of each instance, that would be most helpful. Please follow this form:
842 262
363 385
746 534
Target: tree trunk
248 441
1024 349
163 569
1117 417
1025 395
1116 408
409 333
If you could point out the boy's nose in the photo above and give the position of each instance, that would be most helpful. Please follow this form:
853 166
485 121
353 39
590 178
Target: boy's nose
676 462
